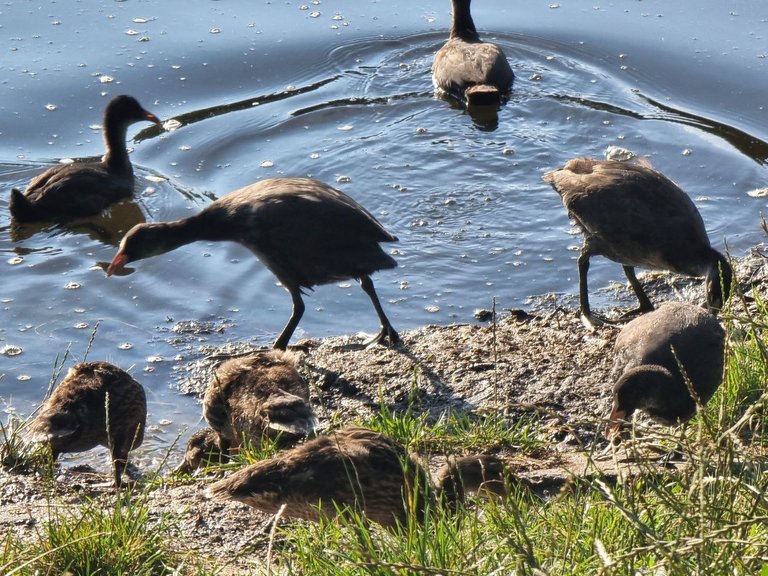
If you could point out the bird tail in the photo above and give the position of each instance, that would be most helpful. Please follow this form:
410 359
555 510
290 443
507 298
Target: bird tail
482 95
248 485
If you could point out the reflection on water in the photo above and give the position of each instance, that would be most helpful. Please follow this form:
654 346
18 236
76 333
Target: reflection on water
277 93
749 145
109 227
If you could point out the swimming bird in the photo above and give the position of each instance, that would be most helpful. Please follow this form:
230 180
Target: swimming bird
79 189
646 371
356 468
468 69
636 216
306 232
258 395
97 404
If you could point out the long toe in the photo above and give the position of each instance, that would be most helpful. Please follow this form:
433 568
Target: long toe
591 321
386 337
636 312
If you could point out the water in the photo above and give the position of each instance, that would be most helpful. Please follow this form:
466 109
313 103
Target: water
341 91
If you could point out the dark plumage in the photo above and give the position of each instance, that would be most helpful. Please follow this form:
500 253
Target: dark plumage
356 468
260 394
97 403
84 188
479 473
202 449
648 376
468 69
636 216
306 232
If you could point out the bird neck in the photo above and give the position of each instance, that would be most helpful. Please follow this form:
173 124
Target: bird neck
718 282
171 235
463 26
116 157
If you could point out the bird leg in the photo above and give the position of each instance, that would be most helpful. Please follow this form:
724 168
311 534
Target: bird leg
298 311
591 321
119 462
645 303
387 332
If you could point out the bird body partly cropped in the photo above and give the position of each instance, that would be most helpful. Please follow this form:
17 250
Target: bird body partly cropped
634 215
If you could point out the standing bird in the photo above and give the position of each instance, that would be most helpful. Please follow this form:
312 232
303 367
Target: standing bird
258 395
646 369
97 404
356 468
468 69
306 232
636 216
84 188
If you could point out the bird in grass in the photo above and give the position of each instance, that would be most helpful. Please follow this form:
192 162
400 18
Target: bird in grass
258 395
359 469
656 353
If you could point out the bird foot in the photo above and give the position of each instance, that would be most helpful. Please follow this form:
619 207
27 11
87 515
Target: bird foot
386 337
591 321
629 314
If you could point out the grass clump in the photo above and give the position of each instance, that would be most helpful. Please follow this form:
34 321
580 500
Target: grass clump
95 539
455 432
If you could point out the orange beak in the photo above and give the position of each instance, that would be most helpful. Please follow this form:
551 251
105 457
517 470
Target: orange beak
152 118
118 262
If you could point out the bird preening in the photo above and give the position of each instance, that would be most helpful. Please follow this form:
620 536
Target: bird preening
97 404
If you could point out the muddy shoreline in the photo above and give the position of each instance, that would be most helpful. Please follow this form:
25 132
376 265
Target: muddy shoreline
540 362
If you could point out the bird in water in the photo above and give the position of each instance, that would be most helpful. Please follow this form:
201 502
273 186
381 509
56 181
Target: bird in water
259 395
648 356
78 189
97 404
306 232
356 468
466 68
636 216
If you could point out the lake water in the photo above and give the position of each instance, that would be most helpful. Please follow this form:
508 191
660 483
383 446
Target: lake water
341 91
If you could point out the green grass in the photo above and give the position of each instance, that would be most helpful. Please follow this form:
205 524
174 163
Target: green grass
95 538
709 517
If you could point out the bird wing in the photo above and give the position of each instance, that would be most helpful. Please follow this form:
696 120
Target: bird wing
77 188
